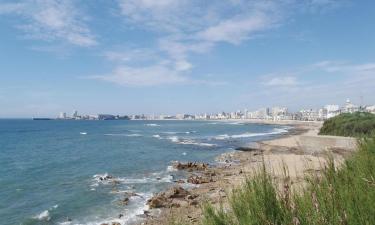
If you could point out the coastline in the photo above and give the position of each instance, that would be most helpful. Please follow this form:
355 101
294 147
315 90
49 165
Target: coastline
215 182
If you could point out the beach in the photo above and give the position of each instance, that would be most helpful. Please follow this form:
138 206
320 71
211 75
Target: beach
293 150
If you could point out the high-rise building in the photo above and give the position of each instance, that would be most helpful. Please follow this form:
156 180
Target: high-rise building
62 115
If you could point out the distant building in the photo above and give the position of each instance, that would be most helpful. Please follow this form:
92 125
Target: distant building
332 111
75 115
370 109
106 117
62 115
350 107
309 115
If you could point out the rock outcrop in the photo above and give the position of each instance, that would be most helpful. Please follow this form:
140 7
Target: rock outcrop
190 166
174 197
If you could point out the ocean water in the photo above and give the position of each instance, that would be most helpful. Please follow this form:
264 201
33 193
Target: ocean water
50 170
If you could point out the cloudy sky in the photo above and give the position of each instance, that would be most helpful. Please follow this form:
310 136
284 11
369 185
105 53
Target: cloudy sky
174 56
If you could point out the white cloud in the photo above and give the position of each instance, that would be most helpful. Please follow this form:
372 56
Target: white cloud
235 30
143 76
282 81
338 66
51 20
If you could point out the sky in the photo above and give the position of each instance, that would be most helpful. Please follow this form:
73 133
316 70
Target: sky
183 56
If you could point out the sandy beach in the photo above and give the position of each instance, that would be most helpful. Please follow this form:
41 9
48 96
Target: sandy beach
301 150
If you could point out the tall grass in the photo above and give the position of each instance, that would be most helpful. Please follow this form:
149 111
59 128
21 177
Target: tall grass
344 196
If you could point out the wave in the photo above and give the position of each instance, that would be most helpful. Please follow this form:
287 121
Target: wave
156 136
247 134
133 135
45 214
105 179
124 135
83 133
132 213
179 132
176 139
152 125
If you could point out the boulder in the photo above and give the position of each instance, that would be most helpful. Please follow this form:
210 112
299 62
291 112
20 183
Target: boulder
158 201
199 180
170 198
176 192
190 166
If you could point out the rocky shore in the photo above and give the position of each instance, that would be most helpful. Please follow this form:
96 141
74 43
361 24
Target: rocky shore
212 183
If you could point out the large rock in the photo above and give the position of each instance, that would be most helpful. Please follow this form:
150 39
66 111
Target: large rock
176 192
190 166
169 198
158 201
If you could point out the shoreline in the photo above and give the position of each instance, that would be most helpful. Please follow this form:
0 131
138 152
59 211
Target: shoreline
231 169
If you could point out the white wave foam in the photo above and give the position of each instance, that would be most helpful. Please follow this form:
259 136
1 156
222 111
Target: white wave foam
146 180
43 216
99 179
83 133
247 134
124 135
152 125
133 135
156 136
176 139
171 169
115 134
179 132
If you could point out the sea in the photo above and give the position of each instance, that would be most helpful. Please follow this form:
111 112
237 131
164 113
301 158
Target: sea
54 171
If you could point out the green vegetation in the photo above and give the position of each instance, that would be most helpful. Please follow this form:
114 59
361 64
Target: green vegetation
356 125
344 196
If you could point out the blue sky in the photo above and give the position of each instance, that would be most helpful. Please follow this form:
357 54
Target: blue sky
174 56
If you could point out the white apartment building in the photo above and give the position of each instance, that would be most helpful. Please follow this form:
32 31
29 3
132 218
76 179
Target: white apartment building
370 109
350 107
309 115
332 111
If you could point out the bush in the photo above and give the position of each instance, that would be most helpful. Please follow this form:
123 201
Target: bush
355 125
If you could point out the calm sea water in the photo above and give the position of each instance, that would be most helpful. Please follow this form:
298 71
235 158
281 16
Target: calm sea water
49 170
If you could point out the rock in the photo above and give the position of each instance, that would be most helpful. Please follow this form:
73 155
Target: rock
120 216
179 181
190 166
194 202
190 197
116 223
176 192
158 201
168 198
199 180
176 203
247 149
125 201
104 224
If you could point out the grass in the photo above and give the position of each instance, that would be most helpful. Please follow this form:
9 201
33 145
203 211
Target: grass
345 196
355 125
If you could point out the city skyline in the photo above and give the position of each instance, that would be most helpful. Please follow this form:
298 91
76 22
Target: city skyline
169 57
267 113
